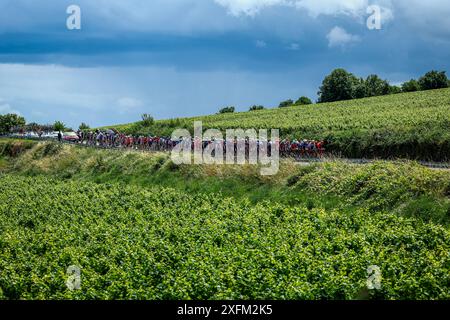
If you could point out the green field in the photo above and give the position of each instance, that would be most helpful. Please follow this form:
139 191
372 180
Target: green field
408 125
141 227
157 243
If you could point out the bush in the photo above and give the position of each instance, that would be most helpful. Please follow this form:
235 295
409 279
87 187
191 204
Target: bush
302 101
256 108
287 103
147 120
227 110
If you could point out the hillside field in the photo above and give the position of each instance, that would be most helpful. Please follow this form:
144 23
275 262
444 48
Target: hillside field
408 125
140 227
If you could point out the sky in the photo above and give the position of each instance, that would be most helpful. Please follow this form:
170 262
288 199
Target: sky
177 58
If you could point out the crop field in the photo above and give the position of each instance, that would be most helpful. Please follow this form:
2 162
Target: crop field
140 228
408 125
157 243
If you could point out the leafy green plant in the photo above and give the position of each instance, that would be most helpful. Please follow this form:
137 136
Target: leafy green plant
159 243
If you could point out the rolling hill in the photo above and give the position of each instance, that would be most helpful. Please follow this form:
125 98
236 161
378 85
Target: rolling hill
408 125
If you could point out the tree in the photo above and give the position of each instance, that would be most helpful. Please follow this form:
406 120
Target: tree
227 110
84 126
286 103
59 126
433 80
339 85
410 86
33 126
10 121
302 101
256 108
394 89
376 86
147 120
359 89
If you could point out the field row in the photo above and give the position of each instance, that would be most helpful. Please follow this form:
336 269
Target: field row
411 125
157 243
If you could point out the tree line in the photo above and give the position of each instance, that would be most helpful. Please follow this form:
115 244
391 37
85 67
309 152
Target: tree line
337 86
343 85
15 123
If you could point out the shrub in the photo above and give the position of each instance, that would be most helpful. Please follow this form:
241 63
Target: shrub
286 103
227 110
303 101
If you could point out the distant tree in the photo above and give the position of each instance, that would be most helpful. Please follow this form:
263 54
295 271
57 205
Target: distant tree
147 120
302 101
10 121
376 86
84 126
227 110
47 127
339 85
33 126
59 126
394 89
256 108
433 80
359 89
286 103
410 86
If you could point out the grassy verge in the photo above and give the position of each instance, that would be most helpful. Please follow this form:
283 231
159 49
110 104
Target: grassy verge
405 188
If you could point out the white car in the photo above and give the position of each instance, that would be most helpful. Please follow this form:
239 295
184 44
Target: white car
31 135
50 135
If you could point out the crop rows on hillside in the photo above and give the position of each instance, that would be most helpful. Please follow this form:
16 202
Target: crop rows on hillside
412 125
136 243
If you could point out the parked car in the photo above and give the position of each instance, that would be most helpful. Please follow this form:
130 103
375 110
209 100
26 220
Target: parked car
50 135
71 137
31 135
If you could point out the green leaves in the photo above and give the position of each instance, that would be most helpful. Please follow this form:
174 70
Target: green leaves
157 243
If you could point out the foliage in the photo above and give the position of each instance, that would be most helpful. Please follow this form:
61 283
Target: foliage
256 108
302 101
409 125
376 86
84 126
10 121
59 126
147 120
381 185
337 86
410 86
136 243
394 89
395 186
286 103
433 80
227 110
